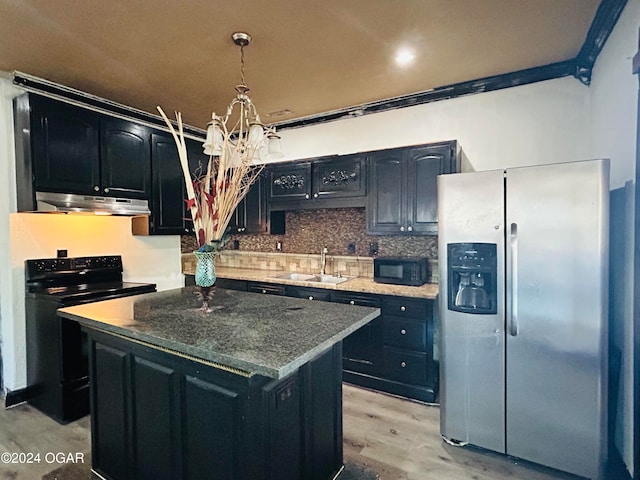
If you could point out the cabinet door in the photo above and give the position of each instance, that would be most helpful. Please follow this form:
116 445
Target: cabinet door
211 418
340 177
155 407
125 159
255 208
251 214
291 182
424 166
168 198
111 449
386 202
65 146
198 164
362 350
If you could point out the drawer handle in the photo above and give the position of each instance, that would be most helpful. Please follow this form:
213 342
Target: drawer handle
310 297
403 332
403 364
403 308
351 302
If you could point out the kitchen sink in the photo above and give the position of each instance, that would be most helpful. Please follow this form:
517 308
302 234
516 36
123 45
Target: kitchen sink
327 279
295 276
305 277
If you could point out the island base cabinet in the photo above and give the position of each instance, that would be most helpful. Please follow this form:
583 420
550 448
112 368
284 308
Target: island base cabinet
156 414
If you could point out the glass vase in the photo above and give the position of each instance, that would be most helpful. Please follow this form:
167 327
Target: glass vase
205 269
205 278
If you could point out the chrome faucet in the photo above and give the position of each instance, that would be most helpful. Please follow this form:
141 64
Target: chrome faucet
323 260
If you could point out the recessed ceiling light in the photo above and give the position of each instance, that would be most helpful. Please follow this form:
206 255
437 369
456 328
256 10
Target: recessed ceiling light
404 56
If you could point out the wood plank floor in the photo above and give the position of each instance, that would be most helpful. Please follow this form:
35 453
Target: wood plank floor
396 438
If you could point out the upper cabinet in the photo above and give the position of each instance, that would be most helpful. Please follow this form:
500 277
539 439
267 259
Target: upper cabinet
290 183
251 214
125 159
403 188
328 182
64 146
169 215
67 149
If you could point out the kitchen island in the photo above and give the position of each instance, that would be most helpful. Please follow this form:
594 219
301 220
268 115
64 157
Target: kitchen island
251 390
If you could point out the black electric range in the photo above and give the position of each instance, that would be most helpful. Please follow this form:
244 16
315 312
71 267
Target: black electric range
57 355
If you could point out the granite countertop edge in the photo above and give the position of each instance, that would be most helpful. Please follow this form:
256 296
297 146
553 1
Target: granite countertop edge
354 284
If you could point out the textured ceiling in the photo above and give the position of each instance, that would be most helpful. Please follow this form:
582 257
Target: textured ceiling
307 57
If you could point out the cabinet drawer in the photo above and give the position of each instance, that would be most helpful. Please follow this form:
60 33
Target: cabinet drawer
406 367
268 288
408 334
229 283
407 307
310 293
355 299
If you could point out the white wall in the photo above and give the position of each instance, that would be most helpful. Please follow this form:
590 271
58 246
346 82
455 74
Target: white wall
544 122
7 204
614 100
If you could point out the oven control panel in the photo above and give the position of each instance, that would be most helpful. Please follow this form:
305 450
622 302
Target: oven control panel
50 265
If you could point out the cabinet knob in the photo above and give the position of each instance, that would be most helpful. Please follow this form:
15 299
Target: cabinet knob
402 229
410 228
403 364
403 308
403 332
106 190
351 302
315 195
264 291
96 188
310 297
306 195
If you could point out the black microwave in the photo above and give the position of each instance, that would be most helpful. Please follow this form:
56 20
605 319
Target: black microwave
401 270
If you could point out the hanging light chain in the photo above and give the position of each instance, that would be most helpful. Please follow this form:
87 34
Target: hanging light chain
242 80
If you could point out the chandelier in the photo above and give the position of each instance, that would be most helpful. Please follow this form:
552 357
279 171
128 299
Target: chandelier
239 133
235 143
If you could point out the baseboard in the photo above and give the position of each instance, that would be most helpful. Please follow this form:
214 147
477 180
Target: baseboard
14 397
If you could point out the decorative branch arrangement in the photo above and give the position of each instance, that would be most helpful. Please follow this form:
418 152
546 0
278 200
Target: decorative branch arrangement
213 196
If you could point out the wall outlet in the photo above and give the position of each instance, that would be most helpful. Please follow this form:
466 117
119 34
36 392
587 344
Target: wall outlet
61 253
351 247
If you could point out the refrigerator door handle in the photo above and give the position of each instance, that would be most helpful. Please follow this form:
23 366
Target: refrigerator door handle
513 294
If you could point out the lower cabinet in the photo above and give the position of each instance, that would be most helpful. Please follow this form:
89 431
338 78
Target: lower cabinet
157 415
393 353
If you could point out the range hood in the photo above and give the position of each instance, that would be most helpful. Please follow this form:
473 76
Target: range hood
70 203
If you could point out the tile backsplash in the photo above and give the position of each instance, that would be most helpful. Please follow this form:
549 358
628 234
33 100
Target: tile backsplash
307 231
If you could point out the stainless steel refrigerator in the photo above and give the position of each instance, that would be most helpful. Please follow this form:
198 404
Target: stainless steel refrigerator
523 312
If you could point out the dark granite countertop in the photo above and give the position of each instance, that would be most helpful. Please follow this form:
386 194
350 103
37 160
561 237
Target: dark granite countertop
268 335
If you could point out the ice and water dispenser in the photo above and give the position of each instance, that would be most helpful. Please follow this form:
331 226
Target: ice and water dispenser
472 278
